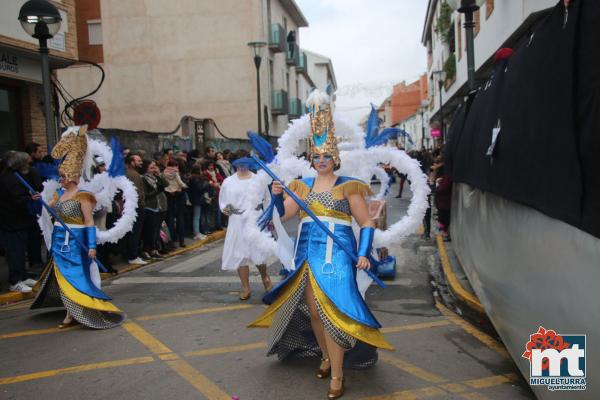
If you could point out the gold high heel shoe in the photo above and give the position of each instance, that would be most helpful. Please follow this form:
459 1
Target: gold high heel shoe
336 393
64 325
324 373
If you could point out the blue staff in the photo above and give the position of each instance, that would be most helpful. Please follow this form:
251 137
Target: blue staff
316 219
57 218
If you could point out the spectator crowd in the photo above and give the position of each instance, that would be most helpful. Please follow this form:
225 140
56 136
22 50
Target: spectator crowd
440 183
178 197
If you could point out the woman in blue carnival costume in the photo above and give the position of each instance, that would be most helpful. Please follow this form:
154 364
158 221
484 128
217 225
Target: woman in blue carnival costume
321 294
67 279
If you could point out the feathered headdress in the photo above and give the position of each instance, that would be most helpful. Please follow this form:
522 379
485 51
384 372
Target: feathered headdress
322 130
71 149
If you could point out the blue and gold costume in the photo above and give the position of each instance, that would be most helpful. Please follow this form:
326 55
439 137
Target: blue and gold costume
332 274
67 280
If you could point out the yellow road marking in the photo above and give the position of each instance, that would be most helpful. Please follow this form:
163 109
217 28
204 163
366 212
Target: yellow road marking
197 380
455 285
181 367
411 394
194 312
412 327
76 369
18 306
143 318
412 369
491 381
473 396
168 357
36 332
454 387
153 344
224 350
481 336
458 388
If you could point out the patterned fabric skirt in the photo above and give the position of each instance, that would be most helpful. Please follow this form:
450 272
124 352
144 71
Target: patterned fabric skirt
293 335
50 295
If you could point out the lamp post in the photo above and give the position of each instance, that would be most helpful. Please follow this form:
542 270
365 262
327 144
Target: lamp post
442 78
468 7
41 20
257 48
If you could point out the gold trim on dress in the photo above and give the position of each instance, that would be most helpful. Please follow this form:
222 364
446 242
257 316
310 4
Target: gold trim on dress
353 328
320 210
80 298
300 188
84 195
364 333
266 318
347 189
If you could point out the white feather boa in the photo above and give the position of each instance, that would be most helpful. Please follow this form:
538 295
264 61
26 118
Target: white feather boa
357 162
103 187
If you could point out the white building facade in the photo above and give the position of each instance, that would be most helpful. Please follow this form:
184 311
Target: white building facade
499 23
168 60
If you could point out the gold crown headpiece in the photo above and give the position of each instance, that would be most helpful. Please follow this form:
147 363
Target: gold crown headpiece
71 149
322 130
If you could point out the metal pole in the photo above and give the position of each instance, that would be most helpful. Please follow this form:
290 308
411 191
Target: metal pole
257 60
468 7
50 127
441 83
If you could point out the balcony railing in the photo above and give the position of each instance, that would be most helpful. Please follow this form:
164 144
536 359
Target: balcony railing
277 41
302 61
293 54
296 108
279 102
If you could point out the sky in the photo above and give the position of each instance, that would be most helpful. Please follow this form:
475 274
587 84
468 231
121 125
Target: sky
373 44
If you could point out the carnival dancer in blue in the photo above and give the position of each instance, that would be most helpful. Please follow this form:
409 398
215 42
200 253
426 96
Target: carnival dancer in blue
321 294
69 279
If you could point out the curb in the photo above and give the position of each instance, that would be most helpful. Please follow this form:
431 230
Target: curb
461 293
14 297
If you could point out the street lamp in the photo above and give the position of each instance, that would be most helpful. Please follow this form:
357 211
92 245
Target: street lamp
257 49
468 7
41 20
441 80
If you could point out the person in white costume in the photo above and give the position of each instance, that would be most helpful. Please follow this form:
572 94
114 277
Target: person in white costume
237 195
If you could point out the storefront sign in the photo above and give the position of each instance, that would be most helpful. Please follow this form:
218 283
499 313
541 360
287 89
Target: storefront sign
19 67
57 42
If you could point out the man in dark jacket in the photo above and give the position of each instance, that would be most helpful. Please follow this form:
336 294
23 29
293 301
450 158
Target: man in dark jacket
17 217
133 162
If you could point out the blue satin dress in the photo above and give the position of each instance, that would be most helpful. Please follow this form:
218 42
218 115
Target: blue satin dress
332 275
66 281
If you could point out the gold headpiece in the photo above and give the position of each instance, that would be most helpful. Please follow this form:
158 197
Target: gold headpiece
71 149
322 130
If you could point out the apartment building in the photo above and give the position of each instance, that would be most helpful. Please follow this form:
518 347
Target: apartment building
498 24
22 117
404 109
169 61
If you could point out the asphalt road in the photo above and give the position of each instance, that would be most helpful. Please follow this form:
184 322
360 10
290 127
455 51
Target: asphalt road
186 339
